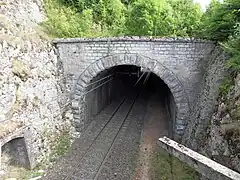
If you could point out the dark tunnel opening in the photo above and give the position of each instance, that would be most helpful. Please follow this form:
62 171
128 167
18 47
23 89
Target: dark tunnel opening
15 153
117 82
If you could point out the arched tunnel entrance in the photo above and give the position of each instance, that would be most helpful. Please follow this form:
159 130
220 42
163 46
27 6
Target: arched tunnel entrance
127 108
89 81
121 109
124 82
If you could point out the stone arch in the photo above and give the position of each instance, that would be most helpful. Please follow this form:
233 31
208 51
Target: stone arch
172 81
16 150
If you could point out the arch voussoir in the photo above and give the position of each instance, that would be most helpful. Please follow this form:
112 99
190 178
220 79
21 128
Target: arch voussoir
100 65
86 77
96 69
174 84
91 71
139 61
111 62
106 62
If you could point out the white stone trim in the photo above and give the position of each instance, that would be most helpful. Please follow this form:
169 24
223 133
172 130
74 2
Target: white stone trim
202 164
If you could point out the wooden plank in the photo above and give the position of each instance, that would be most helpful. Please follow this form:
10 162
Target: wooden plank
207 167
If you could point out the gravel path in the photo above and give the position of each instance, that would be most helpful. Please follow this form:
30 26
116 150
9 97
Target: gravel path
155 126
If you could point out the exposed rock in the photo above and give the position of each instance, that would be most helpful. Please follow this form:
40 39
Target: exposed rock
8 127
226 119
224 130
20 69
29 88
197 132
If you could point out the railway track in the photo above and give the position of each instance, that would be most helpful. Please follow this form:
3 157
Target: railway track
100 147
89 154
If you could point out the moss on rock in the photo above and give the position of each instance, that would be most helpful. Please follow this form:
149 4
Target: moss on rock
20 69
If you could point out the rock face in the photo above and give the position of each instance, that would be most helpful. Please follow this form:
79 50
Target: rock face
195 135
223 142
29 90
215 127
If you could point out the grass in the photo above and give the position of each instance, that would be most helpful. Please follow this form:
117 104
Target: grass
17 172
60 146
226 85
161 167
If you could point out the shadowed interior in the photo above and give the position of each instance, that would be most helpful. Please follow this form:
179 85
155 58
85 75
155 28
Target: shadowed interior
115 83
17 152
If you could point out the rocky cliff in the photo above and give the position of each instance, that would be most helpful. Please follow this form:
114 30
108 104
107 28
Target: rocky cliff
223 134
29 80
214 126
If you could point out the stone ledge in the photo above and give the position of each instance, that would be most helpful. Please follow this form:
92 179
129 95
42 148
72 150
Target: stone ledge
17 133
9 126
131 39
207 167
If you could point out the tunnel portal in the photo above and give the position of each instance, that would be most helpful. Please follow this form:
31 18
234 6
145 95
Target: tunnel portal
111 77
127 108
126 93
119 82
178 62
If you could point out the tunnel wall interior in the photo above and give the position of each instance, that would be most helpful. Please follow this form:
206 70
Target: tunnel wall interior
110 84
17 152
116 82
159 87
171 112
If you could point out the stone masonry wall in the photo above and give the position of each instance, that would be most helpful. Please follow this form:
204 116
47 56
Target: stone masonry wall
183 57
215 129
179 62
99 95
196 134
29 90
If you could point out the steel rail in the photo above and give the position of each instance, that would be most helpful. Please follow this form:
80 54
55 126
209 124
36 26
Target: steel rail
122 124
114 139
92 83
115 111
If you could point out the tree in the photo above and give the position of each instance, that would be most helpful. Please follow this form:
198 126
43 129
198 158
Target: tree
233 48
109 14
164 18
219 20
185 16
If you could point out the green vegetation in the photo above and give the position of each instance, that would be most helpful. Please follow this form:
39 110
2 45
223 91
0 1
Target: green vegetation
164 167
221 22
61 146
163 18
226 85
159 18
94 18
